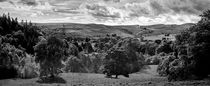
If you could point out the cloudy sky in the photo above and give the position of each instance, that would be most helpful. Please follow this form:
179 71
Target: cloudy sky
110 12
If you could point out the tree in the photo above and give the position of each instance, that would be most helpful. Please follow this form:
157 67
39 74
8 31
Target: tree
123 58
50 53
23 34
192 47
115 64
165 47
198 45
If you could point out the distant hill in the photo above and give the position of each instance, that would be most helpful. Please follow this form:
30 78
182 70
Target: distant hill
121 30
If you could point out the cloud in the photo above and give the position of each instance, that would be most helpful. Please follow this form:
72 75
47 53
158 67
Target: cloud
29 2
158 8
99 12
194 7
112 1
70 11
3 0
108 11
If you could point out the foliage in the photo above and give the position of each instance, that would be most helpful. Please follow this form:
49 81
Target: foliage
10 55
115 63
192 49
163 67
148 48
21 35
50 53
156 59
85 63
87 47
10 58
123 58
165 47
28 67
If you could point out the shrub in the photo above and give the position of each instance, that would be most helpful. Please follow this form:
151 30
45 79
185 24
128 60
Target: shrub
85 63
28 68
10 58
163 67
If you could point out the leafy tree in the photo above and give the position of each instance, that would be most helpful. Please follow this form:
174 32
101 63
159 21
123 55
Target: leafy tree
123 58
192 47
115 64
50 53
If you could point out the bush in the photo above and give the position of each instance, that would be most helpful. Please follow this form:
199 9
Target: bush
28 68
85 63
10 58
163 67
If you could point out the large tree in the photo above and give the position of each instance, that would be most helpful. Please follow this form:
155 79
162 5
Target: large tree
115 63
50 53
123 58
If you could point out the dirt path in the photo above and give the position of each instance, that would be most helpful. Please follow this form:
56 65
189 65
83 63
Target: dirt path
148 77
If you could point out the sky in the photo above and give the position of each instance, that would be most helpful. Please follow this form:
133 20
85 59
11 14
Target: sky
109 12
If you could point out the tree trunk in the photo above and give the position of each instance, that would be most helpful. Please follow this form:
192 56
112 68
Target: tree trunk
116 76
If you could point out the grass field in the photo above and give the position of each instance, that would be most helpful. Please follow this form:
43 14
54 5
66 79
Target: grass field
148 77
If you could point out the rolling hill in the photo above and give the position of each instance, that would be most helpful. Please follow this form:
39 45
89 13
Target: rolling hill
121 30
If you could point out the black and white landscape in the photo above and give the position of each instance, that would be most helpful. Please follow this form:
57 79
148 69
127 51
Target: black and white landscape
104 42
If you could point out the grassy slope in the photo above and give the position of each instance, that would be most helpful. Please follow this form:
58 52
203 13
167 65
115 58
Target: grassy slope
147 77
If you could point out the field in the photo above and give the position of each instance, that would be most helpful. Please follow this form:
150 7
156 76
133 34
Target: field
148 77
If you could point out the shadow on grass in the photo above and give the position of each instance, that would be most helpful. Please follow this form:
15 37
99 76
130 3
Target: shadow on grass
144 70
51 80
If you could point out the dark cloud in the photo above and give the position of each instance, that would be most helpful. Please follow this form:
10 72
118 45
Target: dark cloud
201 5
29 2
3 0
140 12
98 11
158 8
188 6
153 8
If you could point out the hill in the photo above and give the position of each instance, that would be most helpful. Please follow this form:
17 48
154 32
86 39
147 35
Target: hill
121 30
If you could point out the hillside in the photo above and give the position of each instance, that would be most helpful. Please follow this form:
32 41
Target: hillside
121 30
